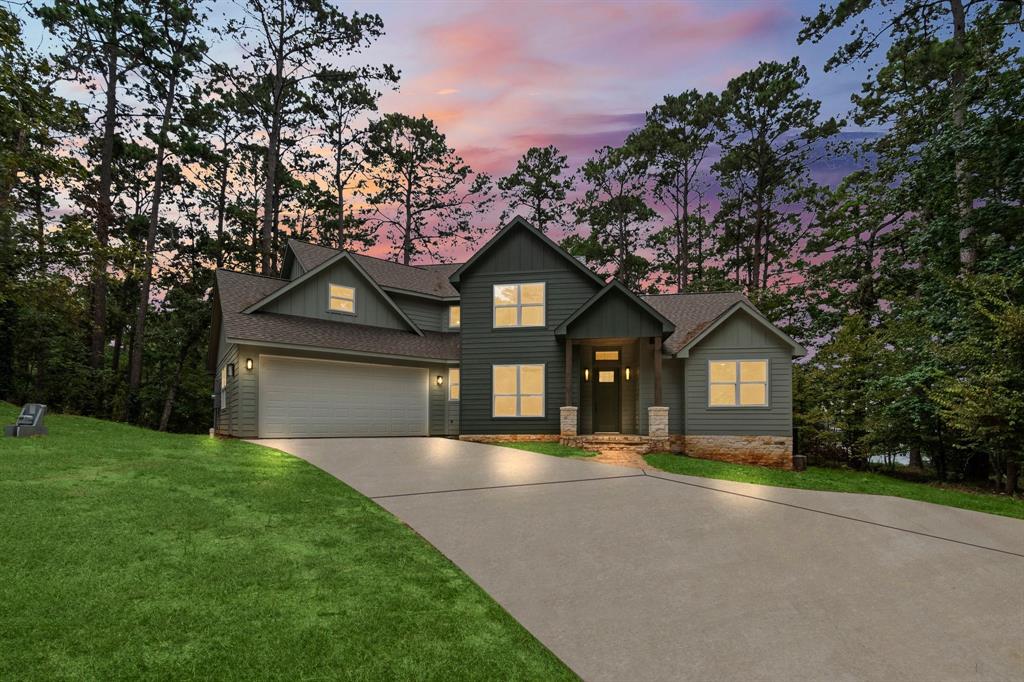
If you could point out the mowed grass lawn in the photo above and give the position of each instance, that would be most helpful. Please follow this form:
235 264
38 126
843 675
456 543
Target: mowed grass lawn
840 480
128 553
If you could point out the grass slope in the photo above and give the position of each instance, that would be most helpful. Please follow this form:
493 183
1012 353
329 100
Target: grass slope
131 553
839 480
547 448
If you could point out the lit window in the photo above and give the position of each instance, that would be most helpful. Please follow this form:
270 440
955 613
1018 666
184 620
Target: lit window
224 387
606 355
605 377
342 299
518 390
454 316
738 383
519 305
453 383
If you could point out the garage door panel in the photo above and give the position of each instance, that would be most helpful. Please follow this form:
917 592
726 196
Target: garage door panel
313 398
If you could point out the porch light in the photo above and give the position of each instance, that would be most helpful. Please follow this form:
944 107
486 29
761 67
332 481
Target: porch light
586 374
248 364
440 380
231 369
628 374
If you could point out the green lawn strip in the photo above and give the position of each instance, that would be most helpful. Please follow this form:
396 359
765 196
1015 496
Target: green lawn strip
129 553
547 448
839 480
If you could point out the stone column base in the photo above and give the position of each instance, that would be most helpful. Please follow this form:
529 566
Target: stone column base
568 420
657 421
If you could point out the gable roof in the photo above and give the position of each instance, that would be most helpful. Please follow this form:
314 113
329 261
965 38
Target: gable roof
429 280
309 274
667 326
697 315
238 291
517 223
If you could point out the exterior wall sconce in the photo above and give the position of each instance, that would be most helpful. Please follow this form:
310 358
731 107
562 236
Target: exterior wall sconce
440 380
586 374
248 364
231 369
628 374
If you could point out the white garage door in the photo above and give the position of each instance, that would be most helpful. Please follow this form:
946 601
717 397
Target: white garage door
321 399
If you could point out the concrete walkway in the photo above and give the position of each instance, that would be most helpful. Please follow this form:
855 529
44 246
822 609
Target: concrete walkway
628 574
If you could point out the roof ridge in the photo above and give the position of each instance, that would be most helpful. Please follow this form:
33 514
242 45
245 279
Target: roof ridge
253 274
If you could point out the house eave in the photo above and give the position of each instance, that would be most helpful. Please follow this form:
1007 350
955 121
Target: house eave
341 351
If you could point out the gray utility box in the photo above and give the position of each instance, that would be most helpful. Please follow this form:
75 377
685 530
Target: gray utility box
30 422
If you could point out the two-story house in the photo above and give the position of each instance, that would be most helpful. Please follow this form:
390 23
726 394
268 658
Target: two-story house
520 341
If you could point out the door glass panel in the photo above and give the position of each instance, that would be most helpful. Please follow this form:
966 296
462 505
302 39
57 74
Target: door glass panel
505 379
606 355
724 394
533 316
531 406
606 377
753 370
531 378
723 371
752 394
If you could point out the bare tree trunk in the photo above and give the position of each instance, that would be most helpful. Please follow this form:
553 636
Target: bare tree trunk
916 461
222 207
104 212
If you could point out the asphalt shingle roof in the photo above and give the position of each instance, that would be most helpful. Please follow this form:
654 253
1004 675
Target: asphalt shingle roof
240 290
692 313
422 279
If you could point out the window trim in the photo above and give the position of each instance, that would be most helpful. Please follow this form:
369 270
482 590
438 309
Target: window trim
518 395
452 383
223 387
331 297
738 382
518 306
452 308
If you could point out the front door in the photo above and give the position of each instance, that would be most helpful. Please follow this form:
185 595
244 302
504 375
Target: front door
606 400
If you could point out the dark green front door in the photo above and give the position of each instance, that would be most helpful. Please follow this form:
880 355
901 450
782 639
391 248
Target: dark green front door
606 400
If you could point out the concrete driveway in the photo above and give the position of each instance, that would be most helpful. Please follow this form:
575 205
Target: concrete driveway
632 575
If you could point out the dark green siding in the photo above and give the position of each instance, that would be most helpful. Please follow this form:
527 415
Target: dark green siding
429 315
741 337
310 298
519 257
671 388
614 315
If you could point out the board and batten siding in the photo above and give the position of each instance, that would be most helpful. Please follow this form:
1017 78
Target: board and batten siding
740 338
520 257
310 299
614 315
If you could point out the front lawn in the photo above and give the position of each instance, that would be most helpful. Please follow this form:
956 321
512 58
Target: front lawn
128 553
547 448
839 480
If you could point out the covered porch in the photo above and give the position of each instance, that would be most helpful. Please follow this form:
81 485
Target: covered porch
613 385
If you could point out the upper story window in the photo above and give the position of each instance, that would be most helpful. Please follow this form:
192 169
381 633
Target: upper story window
454 316
519 305
454 383
737 383
342 299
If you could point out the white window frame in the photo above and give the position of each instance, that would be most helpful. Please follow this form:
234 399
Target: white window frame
454 382
331 298
518 395
518 305
738 382
452 309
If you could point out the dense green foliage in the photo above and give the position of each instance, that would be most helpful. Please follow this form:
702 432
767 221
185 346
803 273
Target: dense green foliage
840 480
131 553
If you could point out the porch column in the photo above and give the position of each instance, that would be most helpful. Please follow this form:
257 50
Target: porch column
568 372
657 370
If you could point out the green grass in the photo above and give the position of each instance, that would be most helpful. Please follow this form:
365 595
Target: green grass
547 448
840 480
127 553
